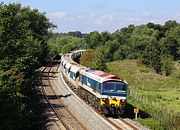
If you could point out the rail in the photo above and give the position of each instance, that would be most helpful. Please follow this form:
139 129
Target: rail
46 97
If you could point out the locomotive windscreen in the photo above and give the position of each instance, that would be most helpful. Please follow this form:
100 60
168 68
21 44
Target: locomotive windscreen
114 87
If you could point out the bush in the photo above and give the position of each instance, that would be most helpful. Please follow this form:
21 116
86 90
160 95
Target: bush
166 62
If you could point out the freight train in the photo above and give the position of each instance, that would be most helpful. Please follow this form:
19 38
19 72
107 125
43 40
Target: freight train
105 92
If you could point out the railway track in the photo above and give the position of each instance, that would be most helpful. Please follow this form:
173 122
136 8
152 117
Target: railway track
122 124
63 118
118 123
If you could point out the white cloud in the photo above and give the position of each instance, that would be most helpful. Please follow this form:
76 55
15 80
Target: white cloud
99 23
147 14
87 22
103 20
58 14
134 20
178 15
89 19
107 17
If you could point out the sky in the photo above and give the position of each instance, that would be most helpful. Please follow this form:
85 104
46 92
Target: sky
103 15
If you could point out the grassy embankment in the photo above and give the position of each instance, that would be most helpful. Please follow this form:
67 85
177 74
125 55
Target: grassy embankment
151 92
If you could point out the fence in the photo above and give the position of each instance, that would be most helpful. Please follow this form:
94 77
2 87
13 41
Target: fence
168 118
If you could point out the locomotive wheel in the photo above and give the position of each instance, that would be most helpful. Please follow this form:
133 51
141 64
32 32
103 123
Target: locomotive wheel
93 102
78 91
85 96
97 107
89 98
118 112
82 94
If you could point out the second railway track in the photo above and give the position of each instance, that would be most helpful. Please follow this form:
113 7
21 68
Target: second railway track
67 120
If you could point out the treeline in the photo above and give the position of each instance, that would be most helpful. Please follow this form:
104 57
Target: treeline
23 48
154 44
73 34
63 44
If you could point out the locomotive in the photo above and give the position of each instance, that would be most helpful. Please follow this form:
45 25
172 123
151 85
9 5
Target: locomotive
105 92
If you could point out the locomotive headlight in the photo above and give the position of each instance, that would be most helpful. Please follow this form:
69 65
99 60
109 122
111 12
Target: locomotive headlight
123 100
103 99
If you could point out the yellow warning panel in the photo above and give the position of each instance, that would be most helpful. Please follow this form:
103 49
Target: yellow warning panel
136 110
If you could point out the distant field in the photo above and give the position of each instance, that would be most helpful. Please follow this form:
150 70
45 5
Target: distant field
146 82
154 88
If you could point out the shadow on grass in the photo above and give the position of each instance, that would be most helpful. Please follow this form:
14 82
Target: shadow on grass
129 112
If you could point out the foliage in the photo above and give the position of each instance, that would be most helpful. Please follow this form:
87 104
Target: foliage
73 34
92 59
93 40
63 44
23 36
151 56
149 43
166 63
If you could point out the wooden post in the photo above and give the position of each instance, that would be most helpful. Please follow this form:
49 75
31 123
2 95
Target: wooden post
136 116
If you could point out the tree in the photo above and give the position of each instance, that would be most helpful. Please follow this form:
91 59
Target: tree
63 44
75 34
105 36
166 63
169 46
111 47
122 52
151 56
93 59
93 40
23 35
170 24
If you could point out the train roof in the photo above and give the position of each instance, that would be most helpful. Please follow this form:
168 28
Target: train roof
101 76
64 62
76 68
68 65
69 56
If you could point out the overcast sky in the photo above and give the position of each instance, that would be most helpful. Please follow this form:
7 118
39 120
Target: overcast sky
104 15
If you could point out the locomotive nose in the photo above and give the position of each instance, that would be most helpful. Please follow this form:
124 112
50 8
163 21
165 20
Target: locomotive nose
113 98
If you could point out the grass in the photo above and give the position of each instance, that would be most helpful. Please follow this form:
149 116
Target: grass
149 122
163 90
146 82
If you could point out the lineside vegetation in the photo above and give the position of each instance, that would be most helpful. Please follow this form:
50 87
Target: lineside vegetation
23 48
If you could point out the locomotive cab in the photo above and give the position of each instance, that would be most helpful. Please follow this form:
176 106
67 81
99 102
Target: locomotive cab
114 95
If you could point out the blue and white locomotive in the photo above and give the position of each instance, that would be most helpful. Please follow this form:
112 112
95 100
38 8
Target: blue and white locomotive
105 92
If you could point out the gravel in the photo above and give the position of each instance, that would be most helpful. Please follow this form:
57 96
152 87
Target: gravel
136 124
